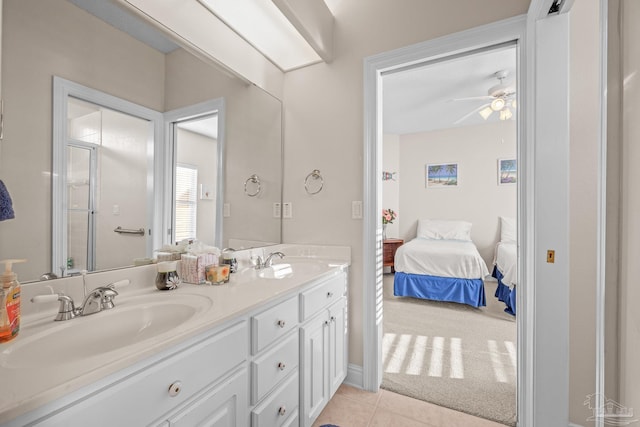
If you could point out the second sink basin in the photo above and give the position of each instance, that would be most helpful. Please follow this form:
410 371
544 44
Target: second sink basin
132 321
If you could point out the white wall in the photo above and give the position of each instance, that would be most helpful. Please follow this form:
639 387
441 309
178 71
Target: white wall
583 152
391 188
478 198
324 119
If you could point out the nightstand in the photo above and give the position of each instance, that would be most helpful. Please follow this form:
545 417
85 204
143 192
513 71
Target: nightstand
389 248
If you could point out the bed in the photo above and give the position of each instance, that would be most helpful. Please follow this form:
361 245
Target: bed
505 265
441 264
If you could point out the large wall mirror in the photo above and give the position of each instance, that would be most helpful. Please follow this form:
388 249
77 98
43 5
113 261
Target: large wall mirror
57 38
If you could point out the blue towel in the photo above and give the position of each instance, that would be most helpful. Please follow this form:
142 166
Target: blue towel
6 205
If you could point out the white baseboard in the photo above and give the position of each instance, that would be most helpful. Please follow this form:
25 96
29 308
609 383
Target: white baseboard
575 425
354 376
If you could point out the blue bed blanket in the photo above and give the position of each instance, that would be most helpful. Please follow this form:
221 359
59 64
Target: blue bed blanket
464 291
504 293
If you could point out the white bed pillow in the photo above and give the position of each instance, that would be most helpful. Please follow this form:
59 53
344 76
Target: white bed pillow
508 229
444 229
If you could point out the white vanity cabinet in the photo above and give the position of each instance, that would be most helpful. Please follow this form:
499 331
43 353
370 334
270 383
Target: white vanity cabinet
274 365
323 337
207 378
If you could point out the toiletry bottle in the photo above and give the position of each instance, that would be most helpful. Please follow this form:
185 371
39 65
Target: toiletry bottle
10 302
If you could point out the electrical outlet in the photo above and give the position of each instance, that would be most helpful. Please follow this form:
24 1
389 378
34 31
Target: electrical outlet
277 210
226 210
116 209
551 256
287 210
356 209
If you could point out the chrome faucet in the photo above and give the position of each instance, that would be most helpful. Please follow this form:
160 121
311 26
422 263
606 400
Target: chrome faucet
269 260
260 264
99 299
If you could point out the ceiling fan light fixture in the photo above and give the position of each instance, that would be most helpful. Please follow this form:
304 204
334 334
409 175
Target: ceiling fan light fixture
485 112
497 104
506 114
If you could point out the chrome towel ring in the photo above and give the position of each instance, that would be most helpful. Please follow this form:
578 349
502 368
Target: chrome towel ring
252 186
314 182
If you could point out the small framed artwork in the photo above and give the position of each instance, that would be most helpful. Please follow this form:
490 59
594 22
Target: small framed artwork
507 171
441 175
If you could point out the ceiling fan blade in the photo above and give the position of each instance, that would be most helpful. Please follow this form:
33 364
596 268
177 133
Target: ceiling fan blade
466 116
473 98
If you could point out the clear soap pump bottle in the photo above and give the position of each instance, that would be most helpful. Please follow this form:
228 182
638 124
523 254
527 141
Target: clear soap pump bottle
9 302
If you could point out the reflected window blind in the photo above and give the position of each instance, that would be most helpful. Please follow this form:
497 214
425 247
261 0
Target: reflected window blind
186 201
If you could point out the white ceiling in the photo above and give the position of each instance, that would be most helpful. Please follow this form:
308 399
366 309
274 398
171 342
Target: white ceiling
421 99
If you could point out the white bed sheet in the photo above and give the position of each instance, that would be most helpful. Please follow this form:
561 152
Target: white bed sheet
442 258
506 259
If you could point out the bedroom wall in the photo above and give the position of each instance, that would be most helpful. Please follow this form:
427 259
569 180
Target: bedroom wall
478 198
391 187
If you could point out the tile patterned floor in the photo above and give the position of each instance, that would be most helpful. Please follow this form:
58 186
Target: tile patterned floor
352 407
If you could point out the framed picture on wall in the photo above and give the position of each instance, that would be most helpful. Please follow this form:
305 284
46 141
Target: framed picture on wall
507 171
441 175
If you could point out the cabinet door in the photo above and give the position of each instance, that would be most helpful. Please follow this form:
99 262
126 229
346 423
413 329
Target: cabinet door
337 345
223 405
315 351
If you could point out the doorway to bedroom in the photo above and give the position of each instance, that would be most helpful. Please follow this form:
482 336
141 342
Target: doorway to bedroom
449 197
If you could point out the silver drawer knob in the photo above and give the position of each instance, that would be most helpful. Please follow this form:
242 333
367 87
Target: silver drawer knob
281 323
281 366
333 318
329 294
175 388
282 410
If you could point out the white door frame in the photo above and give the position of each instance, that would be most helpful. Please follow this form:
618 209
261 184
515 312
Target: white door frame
171 118
543 139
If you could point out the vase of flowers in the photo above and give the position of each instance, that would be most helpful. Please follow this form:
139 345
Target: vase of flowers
388 215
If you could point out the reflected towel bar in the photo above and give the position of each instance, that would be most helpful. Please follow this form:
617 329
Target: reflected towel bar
139 231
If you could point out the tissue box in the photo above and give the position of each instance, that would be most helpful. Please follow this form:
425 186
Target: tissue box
168 256
192 267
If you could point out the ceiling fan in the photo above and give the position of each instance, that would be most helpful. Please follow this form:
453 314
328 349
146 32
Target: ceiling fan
500 99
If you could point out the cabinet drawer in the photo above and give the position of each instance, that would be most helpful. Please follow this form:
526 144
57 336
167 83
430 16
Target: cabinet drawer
277 408
273 323
272 367
321 296
146 395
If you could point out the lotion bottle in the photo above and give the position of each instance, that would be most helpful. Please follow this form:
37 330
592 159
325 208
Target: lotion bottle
9 302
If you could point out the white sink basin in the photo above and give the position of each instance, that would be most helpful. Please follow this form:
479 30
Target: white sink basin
277 271
132 321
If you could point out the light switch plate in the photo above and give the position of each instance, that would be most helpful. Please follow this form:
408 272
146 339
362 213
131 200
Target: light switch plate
287 210
277 210
356 209
226 210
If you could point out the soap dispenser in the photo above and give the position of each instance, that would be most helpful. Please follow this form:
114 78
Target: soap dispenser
9 301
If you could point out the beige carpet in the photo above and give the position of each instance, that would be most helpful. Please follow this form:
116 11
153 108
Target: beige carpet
451 354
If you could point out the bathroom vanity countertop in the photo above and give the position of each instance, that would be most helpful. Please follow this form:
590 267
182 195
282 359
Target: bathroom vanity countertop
32 387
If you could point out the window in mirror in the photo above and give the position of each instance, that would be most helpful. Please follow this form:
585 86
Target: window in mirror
186 201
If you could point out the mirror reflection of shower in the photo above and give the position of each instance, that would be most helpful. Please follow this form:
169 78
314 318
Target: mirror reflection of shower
106 163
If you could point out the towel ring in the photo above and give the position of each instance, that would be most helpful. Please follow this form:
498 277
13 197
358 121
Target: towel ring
312 181
253 179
